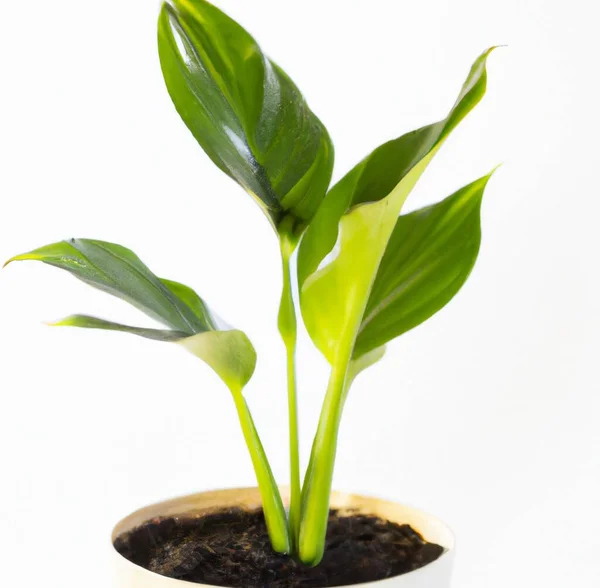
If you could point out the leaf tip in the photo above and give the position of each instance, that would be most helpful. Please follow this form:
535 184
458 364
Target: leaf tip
21 257
488 176
484 56
492 49
63 322
482 182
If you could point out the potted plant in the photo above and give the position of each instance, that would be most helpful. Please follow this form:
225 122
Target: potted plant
365 275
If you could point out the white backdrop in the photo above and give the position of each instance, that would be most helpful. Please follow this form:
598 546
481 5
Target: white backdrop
488 415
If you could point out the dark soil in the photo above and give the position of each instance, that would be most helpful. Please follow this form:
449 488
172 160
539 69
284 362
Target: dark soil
231 548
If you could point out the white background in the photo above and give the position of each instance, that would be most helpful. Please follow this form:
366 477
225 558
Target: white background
488 415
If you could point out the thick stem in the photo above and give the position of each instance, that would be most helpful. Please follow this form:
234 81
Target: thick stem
273 508
288 330
309 470
318 481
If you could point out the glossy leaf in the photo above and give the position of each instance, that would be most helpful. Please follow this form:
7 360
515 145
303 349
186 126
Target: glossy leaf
245 112
359 213
428 259
119 272
334 295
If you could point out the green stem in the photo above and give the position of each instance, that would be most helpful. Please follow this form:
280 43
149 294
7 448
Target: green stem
318 481
295 488
309 470
288 330
271 498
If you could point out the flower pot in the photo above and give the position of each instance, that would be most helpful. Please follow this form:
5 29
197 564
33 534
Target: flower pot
434 575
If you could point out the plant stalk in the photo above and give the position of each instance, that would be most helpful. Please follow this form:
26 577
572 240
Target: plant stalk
319 475
288 329
295 488
273 508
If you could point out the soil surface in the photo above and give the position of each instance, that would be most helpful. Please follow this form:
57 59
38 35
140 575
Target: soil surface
231 548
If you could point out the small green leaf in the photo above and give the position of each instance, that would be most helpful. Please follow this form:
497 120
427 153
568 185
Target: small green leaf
245 112
229 353
428 259
85 321
120 272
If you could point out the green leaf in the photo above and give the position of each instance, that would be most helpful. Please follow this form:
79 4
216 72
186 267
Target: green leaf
358 217
85 321
245 112
428 259
120 272
359 213
229 353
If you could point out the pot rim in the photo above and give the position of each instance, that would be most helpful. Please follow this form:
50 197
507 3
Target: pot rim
346 500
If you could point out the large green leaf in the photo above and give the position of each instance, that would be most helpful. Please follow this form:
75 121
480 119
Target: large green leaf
428 259
359 213
119 272
358 217
244 110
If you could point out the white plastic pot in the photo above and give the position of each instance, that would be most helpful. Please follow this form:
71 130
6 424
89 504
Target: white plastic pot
434 575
